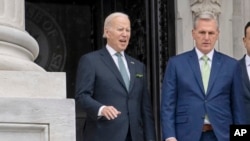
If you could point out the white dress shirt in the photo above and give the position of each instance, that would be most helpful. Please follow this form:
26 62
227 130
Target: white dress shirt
247 60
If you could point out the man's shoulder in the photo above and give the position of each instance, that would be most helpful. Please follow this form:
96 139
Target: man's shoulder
242 59
226 57
183 55
94 53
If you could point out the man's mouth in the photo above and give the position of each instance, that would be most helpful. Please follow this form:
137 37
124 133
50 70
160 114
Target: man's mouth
123 41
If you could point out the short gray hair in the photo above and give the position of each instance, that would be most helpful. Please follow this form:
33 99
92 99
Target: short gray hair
108 20
206 15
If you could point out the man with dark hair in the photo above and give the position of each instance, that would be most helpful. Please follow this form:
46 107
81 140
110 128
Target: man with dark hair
245 68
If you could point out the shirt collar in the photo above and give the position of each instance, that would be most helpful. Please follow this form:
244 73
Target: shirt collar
200 54
112 51
247 59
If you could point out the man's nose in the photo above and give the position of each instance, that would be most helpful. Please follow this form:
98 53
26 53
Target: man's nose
207 36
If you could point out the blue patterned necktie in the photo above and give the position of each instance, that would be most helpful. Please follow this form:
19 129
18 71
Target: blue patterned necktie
122 69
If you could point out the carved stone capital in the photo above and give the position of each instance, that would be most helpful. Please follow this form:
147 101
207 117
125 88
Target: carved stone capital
198 6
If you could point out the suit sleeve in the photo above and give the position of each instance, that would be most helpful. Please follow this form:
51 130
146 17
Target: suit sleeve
237 97
85 80
168 101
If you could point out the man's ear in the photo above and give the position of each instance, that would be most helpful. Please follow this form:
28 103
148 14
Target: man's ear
193 33
244 41
106 33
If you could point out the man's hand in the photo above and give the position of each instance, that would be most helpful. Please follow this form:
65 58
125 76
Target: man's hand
110 112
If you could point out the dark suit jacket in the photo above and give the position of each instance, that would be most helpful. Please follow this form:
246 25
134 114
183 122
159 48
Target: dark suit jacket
99 83
246 87
184 102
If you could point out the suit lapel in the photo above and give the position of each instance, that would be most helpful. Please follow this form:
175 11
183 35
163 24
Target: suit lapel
108 60
216 65
244 73
194 63
131 67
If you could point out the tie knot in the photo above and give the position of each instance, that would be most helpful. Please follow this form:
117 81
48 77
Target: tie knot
118 54
205 58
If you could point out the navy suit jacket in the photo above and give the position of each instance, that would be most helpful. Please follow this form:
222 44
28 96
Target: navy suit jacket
246 87
99 83
184 102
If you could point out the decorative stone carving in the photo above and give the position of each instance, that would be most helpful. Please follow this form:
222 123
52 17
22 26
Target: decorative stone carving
198 6
138 24
163 33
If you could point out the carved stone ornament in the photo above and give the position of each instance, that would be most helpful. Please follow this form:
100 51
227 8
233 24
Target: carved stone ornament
198 6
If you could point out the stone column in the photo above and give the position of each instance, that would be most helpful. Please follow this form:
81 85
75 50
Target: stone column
33 102
18 49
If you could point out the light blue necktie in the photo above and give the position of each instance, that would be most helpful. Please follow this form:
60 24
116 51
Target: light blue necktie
122 69
205 71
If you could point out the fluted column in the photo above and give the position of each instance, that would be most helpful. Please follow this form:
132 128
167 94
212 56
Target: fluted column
18 49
